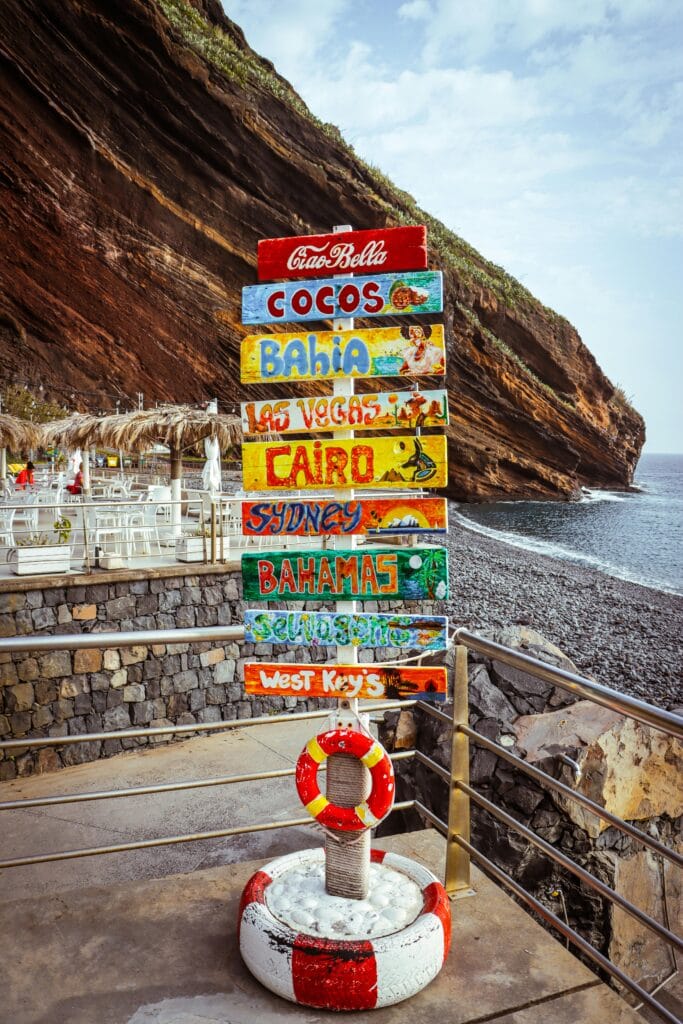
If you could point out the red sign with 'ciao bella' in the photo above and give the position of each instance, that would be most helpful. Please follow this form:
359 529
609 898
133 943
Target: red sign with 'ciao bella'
348 252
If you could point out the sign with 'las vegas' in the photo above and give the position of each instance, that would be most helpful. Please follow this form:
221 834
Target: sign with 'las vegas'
389 410
378 295
346 252
408 351
378 461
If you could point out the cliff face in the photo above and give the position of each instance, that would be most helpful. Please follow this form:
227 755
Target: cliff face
145 149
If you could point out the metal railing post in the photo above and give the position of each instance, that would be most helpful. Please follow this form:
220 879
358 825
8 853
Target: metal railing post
457 878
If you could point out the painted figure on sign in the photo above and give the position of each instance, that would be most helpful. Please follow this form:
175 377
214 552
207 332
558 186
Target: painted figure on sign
424 466
422 356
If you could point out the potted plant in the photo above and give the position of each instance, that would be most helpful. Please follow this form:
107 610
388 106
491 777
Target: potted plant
193 545
37 554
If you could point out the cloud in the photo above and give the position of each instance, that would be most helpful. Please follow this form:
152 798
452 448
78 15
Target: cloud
416 10
288 34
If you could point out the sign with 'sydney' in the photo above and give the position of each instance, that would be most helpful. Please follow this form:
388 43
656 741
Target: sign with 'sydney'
376 574
377 295
315 517
403 461
389 410
358 629
346 681
346 252
408 351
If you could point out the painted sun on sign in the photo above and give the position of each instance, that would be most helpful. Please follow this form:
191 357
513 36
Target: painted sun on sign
325 516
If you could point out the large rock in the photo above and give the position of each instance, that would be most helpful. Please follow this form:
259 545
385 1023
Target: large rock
627 768
145 149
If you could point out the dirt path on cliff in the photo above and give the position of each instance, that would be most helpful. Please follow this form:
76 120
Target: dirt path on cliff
621 634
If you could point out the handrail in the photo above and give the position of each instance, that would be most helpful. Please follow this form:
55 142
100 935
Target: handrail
496 873
623 703
127 638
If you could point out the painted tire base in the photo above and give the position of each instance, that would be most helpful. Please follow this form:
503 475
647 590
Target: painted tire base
336 974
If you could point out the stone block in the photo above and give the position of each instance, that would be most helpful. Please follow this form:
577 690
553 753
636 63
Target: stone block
184 681
133 655
58 729
7 625
166 685
35 599
8 771
114 699
23 623
224 617
118 678
263 650
97 593
87 660
133 693
111 747
231 590
197 700
159 723
215 695
5 727
212 657
116 718
244 709
99 699
176 704
20 723
11 603
19 697
25 765
27 670
224 672
153 688
169 600
111 660
212 714
143 712
178 648
191 595
54 664
212 595
46 691
235 692
165 620
84 612
135 673
63 709
185 617
77 726
48 760
99 681
82 753
147 605
8 674
207 616
74 685
43 618
54 596
120 608
63 614
158 650
82 704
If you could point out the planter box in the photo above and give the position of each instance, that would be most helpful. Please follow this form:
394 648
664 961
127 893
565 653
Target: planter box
41 561
191 549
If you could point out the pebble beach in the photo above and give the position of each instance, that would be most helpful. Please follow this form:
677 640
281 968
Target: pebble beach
621 634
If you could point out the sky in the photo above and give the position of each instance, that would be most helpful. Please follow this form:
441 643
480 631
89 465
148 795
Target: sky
546 133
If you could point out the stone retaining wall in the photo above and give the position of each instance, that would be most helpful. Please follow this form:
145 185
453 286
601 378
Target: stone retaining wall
60 693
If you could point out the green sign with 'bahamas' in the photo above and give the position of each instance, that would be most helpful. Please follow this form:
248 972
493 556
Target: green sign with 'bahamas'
376 574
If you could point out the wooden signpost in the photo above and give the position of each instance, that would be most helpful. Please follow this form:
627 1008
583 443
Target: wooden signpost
346 252
404 461
376 295
407 351
316 517
360 629
348 681
389 410
412 574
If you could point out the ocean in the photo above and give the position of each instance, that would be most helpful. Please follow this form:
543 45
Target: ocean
635 536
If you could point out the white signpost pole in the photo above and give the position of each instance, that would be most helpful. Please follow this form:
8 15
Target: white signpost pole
347 855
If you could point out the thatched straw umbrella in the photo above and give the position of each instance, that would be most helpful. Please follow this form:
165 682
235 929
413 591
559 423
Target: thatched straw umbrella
180 427
15 434
76 431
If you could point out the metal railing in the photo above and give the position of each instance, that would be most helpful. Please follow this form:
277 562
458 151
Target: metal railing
460 851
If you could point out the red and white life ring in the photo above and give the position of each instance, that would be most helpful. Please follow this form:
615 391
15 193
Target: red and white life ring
373 755
343 974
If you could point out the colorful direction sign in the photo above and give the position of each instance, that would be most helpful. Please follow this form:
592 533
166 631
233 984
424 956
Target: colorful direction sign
360 629
404 461
377 295
345 681
376 574
347 252
389 410
321 516
408 351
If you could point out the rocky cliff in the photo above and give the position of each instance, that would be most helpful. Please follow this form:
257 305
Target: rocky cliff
145 149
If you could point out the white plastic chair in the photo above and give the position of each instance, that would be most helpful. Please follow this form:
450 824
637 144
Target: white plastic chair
6 521
142 528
